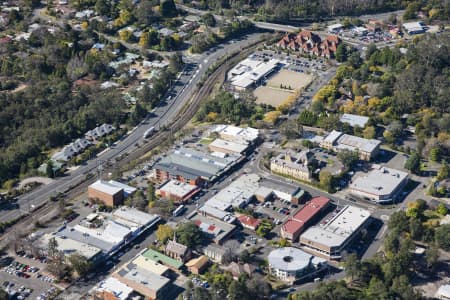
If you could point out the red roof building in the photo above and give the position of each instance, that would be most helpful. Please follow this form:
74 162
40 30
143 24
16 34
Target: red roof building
249 222
309 42
294 226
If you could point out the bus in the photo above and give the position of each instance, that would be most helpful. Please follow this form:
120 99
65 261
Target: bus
179 211
149 132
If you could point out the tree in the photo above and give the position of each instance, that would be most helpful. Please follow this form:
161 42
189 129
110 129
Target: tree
352 265
432 256
307 118
388 136
80 264
355 59
398 220
441 209
326 180
176 62
102 7
189 235
209 19
52 247
49 169
442 236
341 52
164 233
435 154
369 132
237 290
244 257
348 158
413 163
151 192
444 172
201 293
168 9
291 129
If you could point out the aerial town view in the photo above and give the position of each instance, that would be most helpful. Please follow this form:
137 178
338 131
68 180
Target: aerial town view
224 150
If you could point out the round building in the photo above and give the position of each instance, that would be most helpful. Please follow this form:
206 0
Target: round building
290 264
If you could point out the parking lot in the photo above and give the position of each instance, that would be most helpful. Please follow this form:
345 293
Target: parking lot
26 288
277 211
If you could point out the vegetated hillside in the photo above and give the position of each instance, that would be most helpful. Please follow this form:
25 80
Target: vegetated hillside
284 10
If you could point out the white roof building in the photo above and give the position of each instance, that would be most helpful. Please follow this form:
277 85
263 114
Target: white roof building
224 146
236 134
381 184
128 190
290 263
443 292
354 120
330 239
69 246
250 71
111 285
414 27
134 218
106 187
335 27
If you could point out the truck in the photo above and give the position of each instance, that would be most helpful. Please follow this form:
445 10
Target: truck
149 132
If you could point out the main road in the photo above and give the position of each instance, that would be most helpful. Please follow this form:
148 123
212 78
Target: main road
182 90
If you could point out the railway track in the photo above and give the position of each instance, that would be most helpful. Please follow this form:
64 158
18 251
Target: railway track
187 113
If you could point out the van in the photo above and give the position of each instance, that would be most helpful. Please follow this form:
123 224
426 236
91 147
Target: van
317 279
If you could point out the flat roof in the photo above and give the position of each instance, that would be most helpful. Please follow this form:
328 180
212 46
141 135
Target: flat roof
354 120
213 227
162 258
379 181
143 278
106 187
133 217
120 290
338 229
292 259
251 70
228 146
92 240
304 215
335 26
239 134
351 142
178 188
150 265
411 26
70 246
126 188
332 136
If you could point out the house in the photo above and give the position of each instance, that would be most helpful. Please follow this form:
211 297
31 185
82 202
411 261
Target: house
198 265
237 270
215 252
177 251
249 222
310 43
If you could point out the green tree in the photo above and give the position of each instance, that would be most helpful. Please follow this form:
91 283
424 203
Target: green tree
441 209
80 264
291 129
348 158
432 256
49 169
369 132
168 9
151 192
413 163
209 19
352 265
102 7
176 62
341 53
307 118
442 236
164 233
398 220
435 154
444 172
189 234
326 180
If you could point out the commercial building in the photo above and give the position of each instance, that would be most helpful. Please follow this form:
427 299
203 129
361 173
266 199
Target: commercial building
335 28
330 239
293 165
251 72
247 135
283 191
194 167
338 141
111 288
304 217
290 264
217 230
111 193
354 120
110 232
177 191
69 247
381 184
308 42
151 265
147 283
414 28
227 147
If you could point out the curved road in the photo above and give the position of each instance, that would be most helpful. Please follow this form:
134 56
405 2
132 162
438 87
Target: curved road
182 90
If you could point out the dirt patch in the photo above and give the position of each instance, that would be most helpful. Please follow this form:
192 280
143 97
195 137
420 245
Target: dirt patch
288 78
267 95
42 180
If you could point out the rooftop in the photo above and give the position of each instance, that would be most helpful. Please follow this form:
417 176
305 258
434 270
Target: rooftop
340 228
150 265
251 70
305 214
237 134
379 181
106 187
132 217
354 120
215 228
177 248
292 259
161 258
118 289
69 246
249 221
177 188
228 146
126 188
143 277
352 143
197 262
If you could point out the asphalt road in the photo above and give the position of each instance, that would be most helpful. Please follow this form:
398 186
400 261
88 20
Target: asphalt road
182 91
